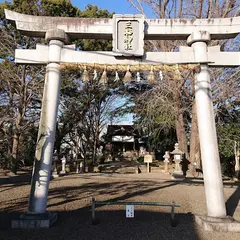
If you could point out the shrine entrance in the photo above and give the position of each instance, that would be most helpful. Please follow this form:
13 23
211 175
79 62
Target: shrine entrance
128 33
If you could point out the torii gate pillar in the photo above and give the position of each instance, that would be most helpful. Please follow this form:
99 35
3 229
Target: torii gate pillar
207 130
36 215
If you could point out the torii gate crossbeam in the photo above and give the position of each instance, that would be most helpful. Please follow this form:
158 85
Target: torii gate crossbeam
128 33
102 28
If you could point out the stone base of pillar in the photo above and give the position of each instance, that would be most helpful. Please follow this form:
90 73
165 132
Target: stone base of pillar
237 180
34 221
178 175
55 175
62 173
227 224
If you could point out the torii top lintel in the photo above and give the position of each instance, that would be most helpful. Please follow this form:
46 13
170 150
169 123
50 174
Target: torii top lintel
102 28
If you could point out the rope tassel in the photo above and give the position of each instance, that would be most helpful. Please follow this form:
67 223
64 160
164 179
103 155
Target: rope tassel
160 75
95 76
138 78
117 78
128 76
151 77
103 79
85 76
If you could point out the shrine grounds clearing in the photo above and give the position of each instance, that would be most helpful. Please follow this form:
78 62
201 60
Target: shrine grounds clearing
70 196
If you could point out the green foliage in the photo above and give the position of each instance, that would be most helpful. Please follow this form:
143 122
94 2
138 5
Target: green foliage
161 139
3 5
227 167
227 135
25 6
61 8
78 98
93 44
95 12
140 160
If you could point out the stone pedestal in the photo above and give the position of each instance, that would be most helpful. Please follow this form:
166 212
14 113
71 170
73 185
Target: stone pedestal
77 167
35 221
166 166
177 173
226 224
54 172
166 161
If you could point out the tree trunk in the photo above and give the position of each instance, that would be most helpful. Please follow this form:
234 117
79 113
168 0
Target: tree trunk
94 149
14 157
96 133
21 112
180 128
194 140
58 141
181 135
237 165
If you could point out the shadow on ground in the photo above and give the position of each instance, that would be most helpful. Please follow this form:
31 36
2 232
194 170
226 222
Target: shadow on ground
76 224
68 194
232 202
113 225
21 179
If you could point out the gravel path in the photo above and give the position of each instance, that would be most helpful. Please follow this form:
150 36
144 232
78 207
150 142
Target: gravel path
70 197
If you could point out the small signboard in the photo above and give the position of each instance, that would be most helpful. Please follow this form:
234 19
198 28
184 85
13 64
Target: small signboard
129 211
128 35
148 158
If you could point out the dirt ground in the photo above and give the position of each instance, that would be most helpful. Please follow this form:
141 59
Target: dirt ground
70 197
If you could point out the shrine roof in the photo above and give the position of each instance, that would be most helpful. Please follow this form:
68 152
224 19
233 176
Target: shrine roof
122 130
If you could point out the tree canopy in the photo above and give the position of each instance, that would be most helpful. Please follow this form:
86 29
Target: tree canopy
164 112
22 86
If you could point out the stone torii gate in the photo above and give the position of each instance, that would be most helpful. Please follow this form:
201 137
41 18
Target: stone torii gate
128 33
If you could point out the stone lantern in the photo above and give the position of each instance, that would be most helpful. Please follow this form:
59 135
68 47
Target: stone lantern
177 173
166 161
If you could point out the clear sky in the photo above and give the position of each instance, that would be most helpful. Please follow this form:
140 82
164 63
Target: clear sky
118 6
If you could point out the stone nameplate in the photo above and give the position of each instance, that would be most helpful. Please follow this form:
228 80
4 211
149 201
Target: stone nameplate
128 35
148 158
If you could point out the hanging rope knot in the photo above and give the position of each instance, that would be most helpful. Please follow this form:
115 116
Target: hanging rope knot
128 76
85 76
151 77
